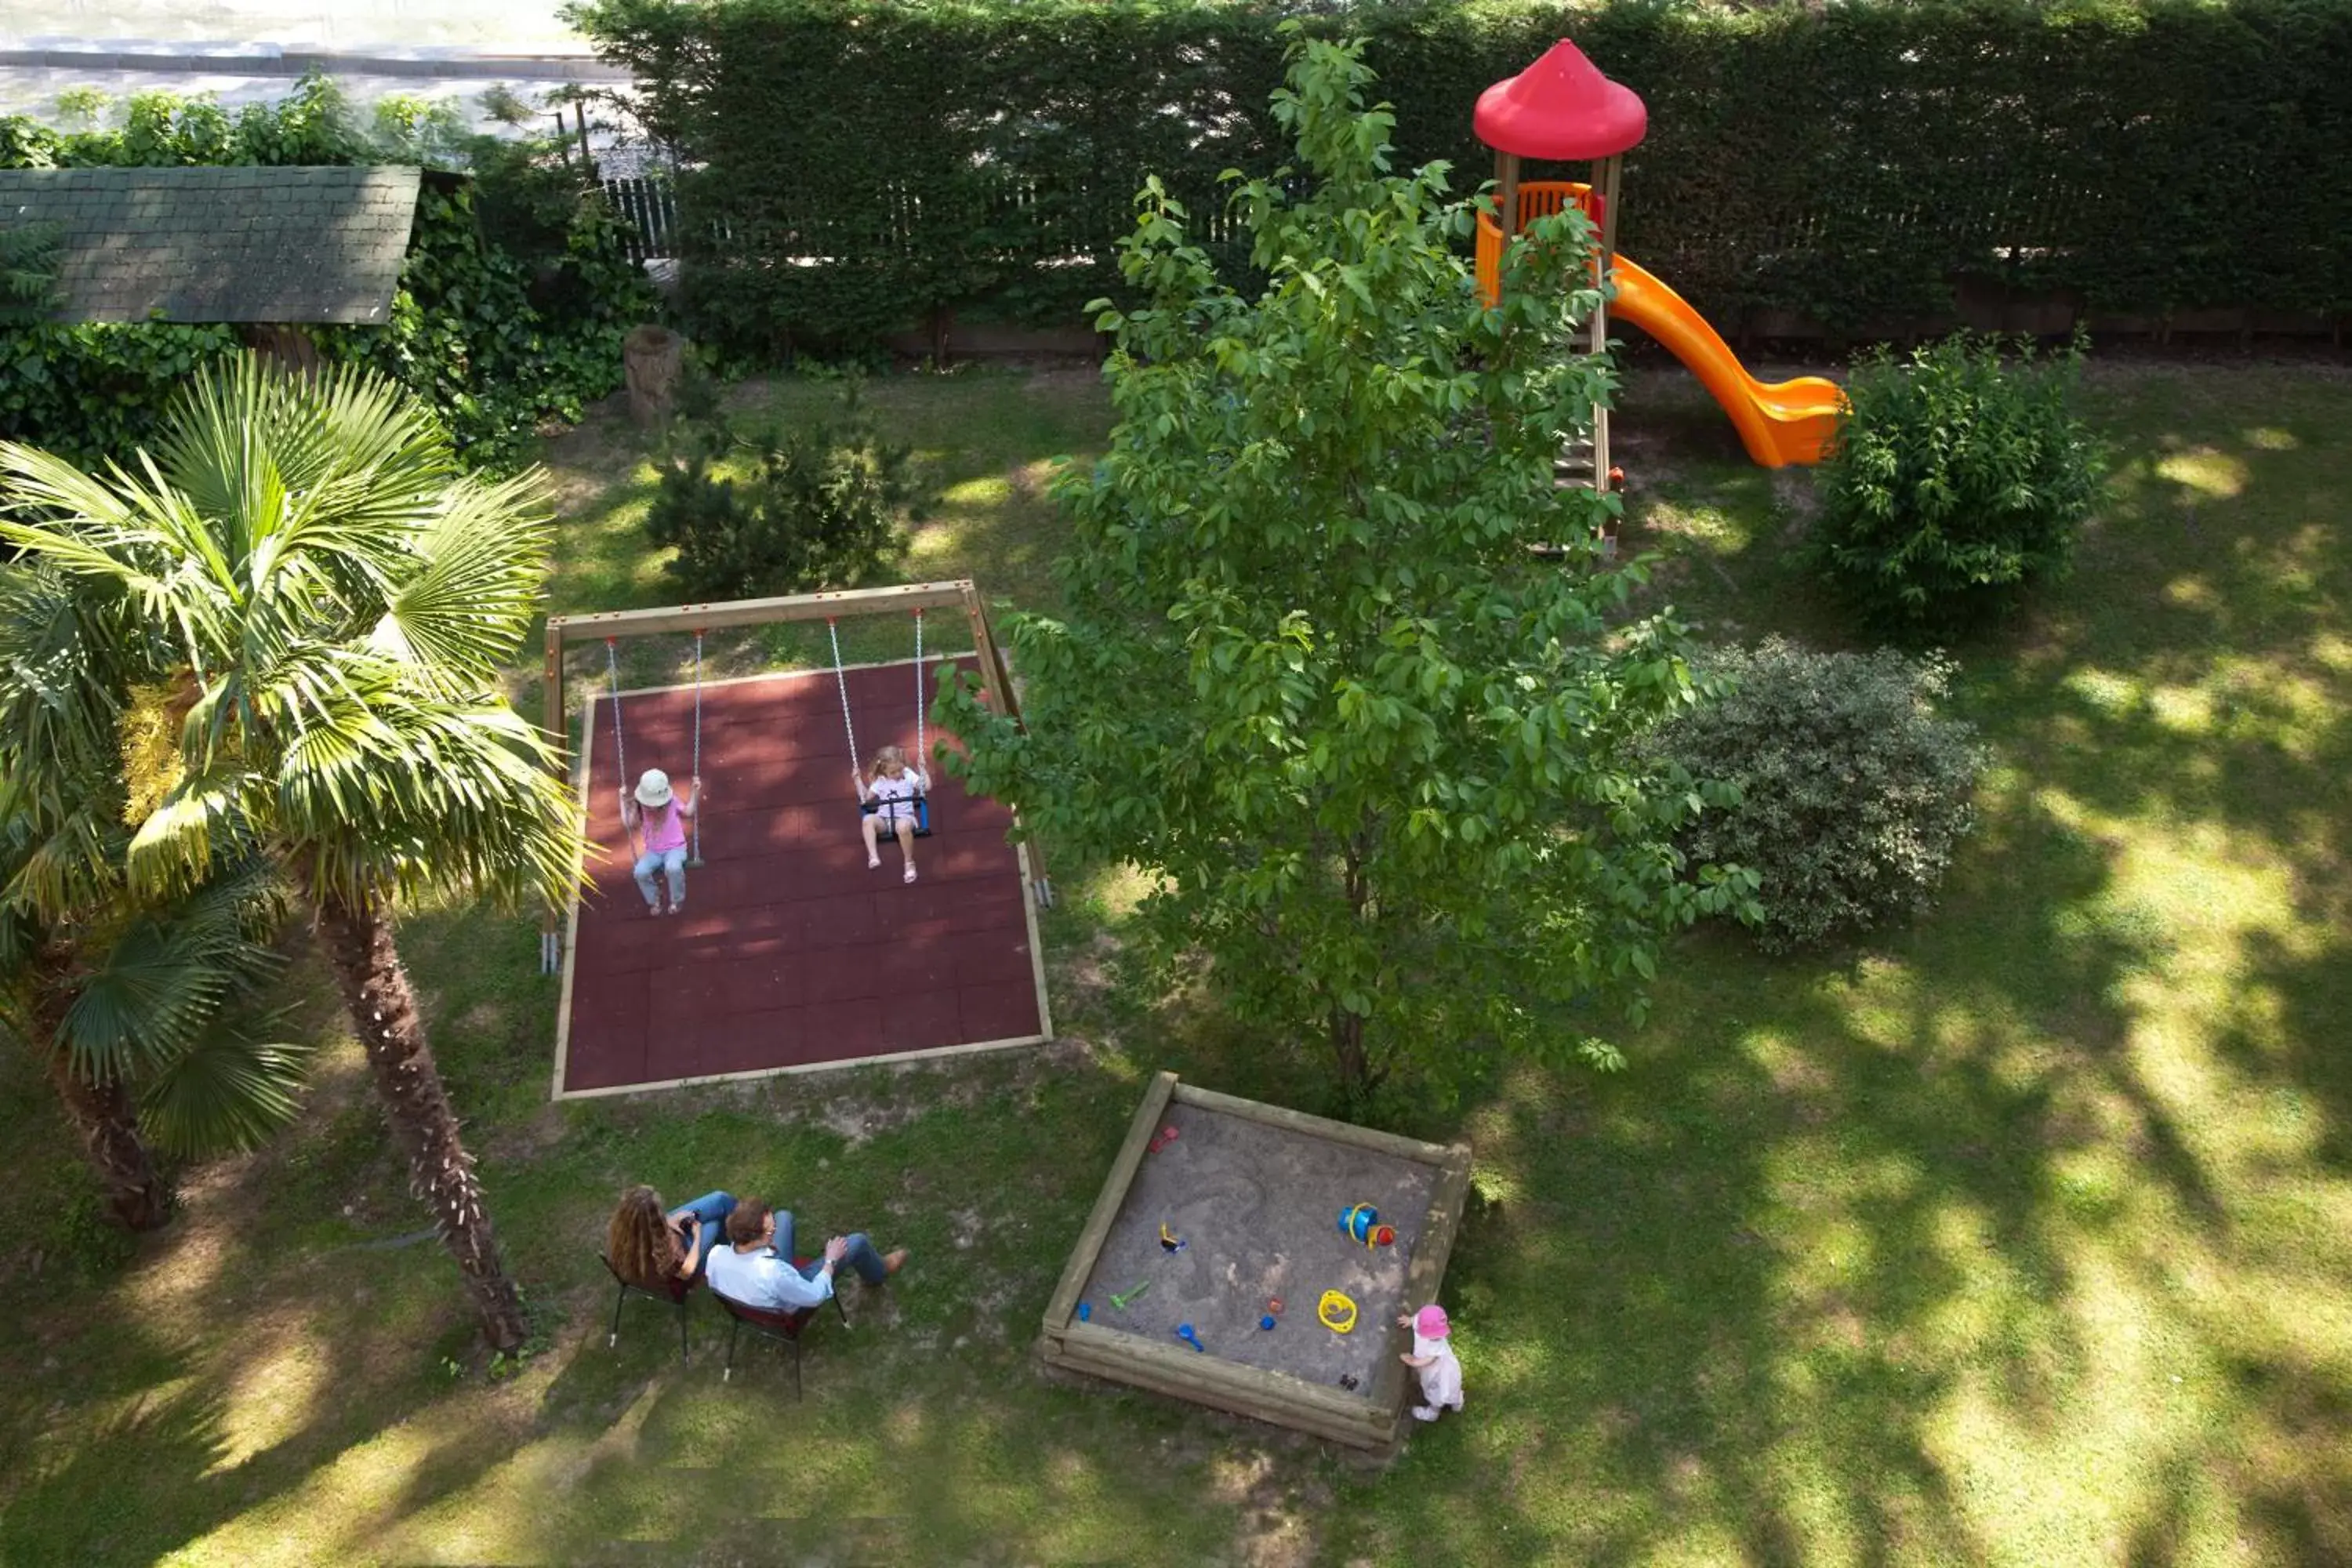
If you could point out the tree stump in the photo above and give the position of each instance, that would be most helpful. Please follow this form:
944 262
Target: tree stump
653 357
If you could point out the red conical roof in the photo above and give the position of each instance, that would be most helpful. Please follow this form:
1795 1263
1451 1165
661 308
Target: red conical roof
1561 107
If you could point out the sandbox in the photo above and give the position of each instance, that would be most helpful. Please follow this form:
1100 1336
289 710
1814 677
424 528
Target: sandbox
1254 1193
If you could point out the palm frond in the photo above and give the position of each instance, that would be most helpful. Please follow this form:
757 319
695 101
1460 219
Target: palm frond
175 848
170 971
434 795
61 858
484 566
224 1092
144 539
319 481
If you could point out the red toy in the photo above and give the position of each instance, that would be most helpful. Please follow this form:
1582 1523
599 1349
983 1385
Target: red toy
1167 1135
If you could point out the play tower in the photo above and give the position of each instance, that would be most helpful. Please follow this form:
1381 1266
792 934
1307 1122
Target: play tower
1563 110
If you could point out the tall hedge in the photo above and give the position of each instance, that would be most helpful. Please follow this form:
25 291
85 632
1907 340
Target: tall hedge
855 164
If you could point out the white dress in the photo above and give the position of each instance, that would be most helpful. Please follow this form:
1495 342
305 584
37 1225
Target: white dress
894 798
1440 1380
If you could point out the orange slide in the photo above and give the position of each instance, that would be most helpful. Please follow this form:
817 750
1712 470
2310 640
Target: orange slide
1779 423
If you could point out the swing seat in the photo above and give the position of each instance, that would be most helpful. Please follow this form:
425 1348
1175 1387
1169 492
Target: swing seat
922 814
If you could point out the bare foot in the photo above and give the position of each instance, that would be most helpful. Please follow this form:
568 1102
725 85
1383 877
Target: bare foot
894 1261
872 861
910 876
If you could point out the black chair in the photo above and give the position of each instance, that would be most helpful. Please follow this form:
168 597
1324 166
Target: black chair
676 1296
784 1327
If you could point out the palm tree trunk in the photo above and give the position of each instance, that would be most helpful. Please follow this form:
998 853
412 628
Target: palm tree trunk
101 1113
383 1009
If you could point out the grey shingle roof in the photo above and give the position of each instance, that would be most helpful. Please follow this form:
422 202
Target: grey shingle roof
221 245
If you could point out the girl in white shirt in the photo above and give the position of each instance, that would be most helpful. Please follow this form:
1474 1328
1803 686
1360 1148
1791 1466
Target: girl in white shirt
1433 1357
888 798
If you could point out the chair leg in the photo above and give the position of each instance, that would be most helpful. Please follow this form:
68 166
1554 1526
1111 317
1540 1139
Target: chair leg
620 1300
735 1328
840 1309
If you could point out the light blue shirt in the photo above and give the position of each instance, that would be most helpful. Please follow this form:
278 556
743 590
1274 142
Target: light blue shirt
762 1280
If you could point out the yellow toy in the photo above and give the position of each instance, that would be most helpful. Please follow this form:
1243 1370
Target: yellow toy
1337 1312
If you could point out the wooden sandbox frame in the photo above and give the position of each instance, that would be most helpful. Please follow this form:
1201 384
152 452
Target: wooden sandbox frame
1370 1419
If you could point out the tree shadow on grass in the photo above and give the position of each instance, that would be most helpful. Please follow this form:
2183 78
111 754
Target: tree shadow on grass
1731 1290
1837 1264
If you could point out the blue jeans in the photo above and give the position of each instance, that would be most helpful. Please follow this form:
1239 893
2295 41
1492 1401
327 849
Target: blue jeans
671 863
862 1256
711 1209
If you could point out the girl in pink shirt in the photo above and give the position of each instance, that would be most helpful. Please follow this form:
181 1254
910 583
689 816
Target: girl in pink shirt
663 819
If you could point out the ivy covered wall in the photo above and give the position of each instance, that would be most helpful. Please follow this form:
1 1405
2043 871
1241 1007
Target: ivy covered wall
508 312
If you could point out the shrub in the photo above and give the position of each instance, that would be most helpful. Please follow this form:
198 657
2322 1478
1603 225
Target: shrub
1955 479
820 505
1854 791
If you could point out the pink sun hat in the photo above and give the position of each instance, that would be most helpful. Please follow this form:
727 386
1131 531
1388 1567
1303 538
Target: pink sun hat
1430 1322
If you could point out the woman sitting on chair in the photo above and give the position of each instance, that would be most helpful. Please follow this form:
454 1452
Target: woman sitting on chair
890 799
653 1250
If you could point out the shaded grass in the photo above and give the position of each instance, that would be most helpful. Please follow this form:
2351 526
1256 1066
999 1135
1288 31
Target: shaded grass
2020 1236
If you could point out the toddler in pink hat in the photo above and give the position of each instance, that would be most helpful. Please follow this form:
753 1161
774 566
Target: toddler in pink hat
1433 1357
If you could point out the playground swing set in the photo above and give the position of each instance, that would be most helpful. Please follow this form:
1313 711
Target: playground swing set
700 620
922 806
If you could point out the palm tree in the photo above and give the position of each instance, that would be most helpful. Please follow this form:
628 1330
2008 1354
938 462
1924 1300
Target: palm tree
127 1005
333 601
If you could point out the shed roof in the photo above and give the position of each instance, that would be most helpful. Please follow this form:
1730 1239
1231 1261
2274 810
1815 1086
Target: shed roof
1561 107
220 245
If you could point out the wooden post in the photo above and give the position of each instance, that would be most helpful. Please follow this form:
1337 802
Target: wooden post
1506 194
652 360
587 159
1605 176
997 678
558 735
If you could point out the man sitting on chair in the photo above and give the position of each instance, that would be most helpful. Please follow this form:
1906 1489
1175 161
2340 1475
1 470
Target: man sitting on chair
757 1268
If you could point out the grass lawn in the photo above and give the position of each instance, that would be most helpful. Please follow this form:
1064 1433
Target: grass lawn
2023 1236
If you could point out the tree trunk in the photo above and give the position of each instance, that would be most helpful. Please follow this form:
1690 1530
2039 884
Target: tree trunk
1348 1045
652 360
383 1009
100 1113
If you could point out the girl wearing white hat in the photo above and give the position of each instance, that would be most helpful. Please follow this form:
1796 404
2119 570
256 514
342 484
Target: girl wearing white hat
663 817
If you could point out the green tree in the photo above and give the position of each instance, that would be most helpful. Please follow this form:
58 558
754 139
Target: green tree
128 1005
1381 765
335 600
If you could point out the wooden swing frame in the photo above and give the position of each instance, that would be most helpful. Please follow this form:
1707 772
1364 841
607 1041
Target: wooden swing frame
567 631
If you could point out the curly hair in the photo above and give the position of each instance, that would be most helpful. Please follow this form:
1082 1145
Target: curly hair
640 1242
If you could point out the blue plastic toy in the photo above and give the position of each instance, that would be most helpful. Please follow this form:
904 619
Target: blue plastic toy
1361 1222
1085 1311
1266 1322
1184 1331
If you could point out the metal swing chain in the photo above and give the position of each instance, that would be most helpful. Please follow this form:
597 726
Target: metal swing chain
923 756
832 630
696 774
620 751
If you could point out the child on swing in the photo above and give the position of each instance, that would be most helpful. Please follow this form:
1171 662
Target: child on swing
888 798
663 817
